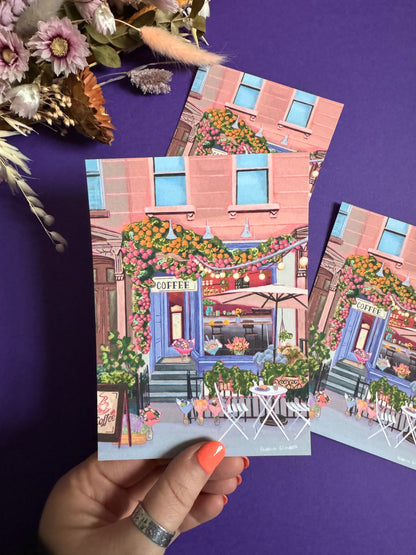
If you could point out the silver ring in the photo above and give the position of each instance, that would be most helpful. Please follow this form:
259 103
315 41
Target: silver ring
150 528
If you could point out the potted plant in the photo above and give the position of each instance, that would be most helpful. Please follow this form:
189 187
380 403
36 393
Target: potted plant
284 337
233 378
238 345
120 362
402 370
184 347
185 406
150 416
211 346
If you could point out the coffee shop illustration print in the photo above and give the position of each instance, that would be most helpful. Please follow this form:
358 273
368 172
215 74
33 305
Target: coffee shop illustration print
159 267
232 112
364 301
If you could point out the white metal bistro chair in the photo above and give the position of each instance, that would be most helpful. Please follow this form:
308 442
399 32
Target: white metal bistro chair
301 410
233 409
386 417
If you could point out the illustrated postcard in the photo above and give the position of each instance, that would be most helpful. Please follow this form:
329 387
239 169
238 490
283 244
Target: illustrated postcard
200 278
232 112
363 315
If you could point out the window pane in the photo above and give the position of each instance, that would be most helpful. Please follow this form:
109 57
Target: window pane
199 79
252 187
299 114
391 243
252 80
110 275
169 164
345 207
396 225
92 165
305 97
170 190
95 193
246 97
252 161
339 225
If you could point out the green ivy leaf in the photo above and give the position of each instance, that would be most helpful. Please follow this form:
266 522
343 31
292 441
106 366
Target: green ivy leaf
126 42
106 55
95 35
147 18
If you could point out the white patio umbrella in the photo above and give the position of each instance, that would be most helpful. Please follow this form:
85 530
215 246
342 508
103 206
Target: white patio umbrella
266 296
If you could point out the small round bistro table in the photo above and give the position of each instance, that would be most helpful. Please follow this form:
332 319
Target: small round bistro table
268 398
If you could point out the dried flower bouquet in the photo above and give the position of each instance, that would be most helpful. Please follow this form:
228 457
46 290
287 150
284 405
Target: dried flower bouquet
47 50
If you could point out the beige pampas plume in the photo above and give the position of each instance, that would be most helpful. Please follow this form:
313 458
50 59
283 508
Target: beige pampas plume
162 42
39 10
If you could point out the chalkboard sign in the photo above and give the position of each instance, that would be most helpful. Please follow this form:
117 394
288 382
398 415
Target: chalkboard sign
111 407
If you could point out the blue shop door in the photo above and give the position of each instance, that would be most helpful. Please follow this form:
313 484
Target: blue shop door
361 331
156 303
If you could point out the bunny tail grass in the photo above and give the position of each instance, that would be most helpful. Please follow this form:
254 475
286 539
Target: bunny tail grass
162 42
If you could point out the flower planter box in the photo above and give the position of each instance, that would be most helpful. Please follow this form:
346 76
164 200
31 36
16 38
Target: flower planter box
289 382
136 439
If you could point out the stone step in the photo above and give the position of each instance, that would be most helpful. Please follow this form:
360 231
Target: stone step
345 372
165 397
170 375
337 388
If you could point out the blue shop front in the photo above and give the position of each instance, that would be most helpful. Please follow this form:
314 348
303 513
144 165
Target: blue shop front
365 352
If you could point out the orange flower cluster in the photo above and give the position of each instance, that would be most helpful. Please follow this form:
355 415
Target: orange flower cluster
368 266
225 118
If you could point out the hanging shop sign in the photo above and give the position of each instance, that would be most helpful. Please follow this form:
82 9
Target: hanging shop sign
370 308
166 284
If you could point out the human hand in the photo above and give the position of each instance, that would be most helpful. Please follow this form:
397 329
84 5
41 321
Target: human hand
88 510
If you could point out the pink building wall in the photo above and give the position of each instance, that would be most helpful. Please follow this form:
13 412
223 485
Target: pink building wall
272 106
211 186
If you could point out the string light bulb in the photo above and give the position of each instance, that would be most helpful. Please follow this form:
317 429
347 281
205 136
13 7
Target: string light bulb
303 261
262 276
236 275
246 278
281 265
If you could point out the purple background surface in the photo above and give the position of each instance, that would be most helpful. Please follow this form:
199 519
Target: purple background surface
340 500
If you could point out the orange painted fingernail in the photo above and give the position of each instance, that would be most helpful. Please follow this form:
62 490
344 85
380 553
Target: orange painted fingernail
239 480
225 498
210 455
246 462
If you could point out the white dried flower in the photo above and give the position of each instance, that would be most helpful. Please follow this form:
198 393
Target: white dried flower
151 81
103 20
205 11
24 100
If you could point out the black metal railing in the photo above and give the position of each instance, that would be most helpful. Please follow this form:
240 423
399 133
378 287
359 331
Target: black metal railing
197 389
142 390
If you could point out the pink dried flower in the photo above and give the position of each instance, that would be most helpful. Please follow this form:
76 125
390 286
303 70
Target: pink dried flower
13 57
59 42
24 100
7 17
151 81
87 8
103 20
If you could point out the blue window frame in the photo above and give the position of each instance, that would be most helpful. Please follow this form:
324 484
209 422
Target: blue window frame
170 181
199 80
341 220
252 179
393 237
95 185
248 91
301 108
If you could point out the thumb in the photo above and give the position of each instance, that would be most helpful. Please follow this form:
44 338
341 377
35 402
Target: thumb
172 497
